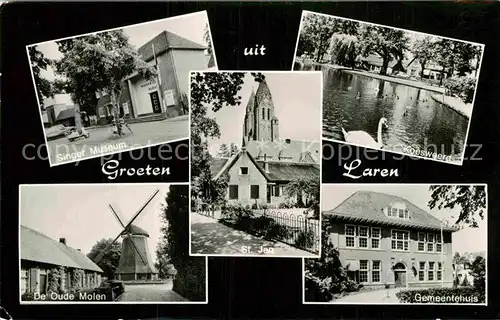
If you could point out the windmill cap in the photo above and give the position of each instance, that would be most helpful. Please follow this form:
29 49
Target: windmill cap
137 231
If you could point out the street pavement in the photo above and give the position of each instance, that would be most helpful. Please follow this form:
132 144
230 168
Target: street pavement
101 140
151 293
383 296
208 236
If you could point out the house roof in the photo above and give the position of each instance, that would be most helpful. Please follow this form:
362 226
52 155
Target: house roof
164 41
36 246
286 171
285 149
66 114
368 206
278 171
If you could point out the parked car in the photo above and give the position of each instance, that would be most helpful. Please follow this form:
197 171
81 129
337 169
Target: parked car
111 288
58 131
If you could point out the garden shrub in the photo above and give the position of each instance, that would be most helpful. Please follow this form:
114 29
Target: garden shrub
462 87
54 280
287 204
28 296
441 295
305 239
317 289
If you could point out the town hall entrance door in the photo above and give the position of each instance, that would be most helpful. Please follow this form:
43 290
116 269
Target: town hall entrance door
399 275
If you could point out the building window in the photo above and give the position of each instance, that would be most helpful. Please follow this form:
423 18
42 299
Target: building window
375 239
376 269
421 241
439 243
430 273
350 234
394 212
400 240
430 242
363 237
24 281
233 191
363 271
254 191
276 191
268 114
263 114
243 170
421 271
439 272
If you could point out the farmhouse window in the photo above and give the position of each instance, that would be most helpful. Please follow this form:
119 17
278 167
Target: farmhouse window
400 240
24 281
439 272
430 242
254 191
233 191
376 268
376 235
421 271
243 170
439 243
363 271
430 273
350 234
363 237
277 191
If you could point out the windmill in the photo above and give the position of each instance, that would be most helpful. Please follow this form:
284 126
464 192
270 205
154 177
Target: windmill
135 261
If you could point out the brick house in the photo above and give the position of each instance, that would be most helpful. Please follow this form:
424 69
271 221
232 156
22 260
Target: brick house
384 239
40 254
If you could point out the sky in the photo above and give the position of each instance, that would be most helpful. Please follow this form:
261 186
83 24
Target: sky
297 99
465 240
190 26
80 213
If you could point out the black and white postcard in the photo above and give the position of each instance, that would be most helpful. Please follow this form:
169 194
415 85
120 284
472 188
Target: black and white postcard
120 89
255 173
107 243
401 243
392 89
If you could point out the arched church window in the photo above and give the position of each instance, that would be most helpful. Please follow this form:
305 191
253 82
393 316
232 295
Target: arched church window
263 114
268 114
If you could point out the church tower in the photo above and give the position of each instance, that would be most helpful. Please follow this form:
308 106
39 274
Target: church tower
260 122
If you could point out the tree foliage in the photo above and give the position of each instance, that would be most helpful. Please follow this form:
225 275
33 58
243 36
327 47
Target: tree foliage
386 42
38 63
215 90
423 50
99 63
317 31
190 278
110 259
479 273
309 188
470 199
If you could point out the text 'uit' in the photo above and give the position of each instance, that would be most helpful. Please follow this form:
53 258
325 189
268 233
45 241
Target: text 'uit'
257 51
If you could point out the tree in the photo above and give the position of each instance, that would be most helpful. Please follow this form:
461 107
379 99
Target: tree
208 40
233 149
326 276
458 259
423 51
386 42
216 90
110 259
470 199
100 63
479 273
223 151
308 187
318 29
190 279
38 63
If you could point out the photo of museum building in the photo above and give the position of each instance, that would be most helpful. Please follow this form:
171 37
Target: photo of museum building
386 240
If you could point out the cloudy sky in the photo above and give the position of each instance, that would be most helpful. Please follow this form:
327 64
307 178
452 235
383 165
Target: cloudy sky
190 26
466 240
296 98
80 213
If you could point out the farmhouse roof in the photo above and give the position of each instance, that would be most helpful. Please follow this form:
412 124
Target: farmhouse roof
164 41
368 206
286 149
36 246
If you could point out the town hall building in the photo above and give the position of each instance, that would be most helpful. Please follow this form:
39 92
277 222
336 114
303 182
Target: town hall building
265 164
386 240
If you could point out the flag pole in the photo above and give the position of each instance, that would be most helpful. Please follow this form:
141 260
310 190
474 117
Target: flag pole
158 81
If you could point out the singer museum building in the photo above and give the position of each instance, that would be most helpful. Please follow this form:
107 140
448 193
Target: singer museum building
164 96
384 240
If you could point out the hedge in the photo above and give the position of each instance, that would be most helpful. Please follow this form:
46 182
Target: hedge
442 295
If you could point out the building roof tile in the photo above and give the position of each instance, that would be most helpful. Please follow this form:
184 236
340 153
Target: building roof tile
164 41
